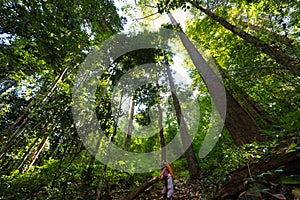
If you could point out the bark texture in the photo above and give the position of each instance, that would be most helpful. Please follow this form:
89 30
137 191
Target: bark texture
240 125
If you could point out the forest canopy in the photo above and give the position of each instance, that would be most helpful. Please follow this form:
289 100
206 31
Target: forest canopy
217 98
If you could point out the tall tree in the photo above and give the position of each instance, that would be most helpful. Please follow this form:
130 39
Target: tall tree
245 69
127 137
42 45
292 64
160 125
192 162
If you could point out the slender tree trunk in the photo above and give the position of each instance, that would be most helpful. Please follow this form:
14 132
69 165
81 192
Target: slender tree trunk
35 98
59 170
161 134
9 160
20 164
100 185
192 162
127 139
160 124
54 153
20 129
11 141
280 57
8 86
37 152
88 176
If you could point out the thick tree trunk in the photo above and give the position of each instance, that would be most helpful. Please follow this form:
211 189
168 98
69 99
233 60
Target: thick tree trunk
258 114
242 115
232 188
192 162
280 57
137 191
240 125
214 85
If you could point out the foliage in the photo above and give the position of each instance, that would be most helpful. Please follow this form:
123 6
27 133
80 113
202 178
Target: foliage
42 45
257 74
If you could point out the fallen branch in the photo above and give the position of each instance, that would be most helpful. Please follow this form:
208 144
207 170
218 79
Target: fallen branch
140 189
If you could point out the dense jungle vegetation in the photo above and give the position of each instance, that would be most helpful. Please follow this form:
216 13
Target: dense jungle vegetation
154 91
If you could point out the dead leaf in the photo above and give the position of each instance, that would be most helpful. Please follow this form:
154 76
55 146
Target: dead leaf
278 196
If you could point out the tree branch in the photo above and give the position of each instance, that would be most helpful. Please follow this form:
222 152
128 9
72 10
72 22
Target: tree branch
146 16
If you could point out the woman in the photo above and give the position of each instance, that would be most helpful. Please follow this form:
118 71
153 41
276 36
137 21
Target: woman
167 178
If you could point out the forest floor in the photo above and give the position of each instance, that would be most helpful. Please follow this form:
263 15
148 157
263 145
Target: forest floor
182 190
193 191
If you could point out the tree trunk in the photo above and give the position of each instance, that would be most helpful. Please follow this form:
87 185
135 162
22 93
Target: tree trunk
280 38
8 86
88 176
11 141
20 164
192 162
160 125
258 114
280 57
161 135
232 188
100 185
215 87
240 125
242 114
59 170
37 152
137 191
17 133
212 81
127 139
118 114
